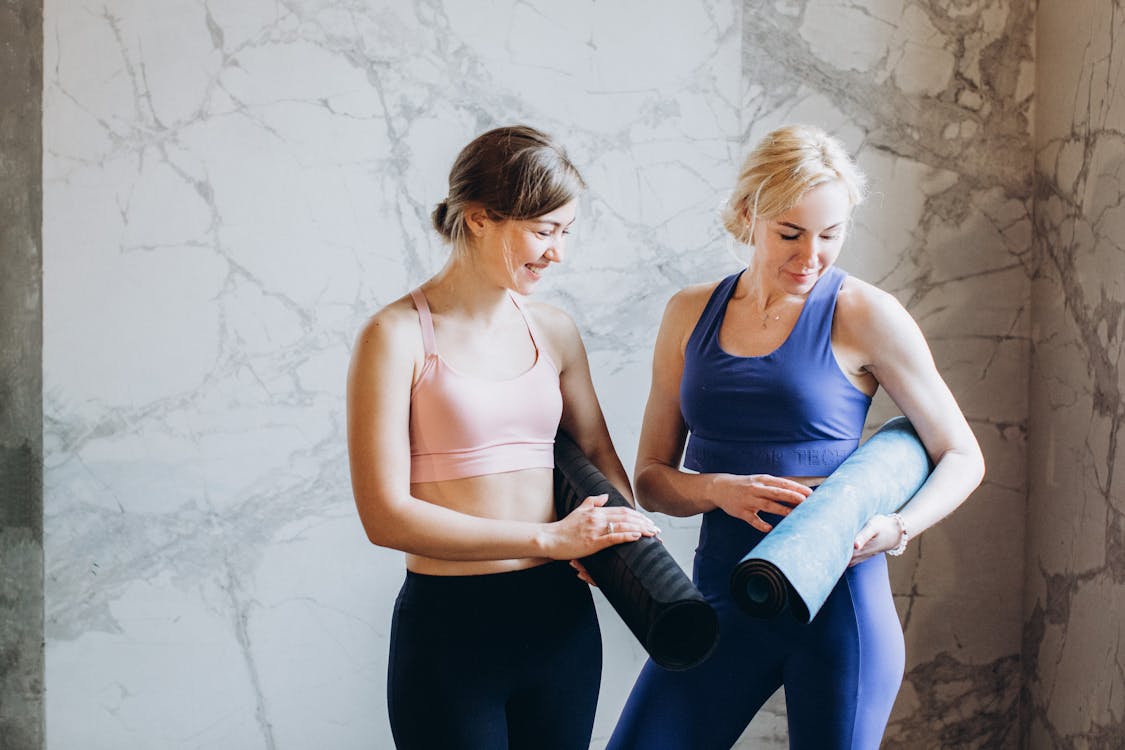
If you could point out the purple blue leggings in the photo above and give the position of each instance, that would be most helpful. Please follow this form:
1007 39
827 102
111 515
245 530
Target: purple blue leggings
841 672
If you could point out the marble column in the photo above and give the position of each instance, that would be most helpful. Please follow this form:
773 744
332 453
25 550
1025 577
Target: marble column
1073 667
21 380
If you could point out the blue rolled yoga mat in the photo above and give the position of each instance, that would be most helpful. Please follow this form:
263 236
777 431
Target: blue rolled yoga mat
801 559
642 581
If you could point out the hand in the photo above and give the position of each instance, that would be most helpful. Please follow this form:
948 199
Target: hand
591 527
879 534
583 573
746 496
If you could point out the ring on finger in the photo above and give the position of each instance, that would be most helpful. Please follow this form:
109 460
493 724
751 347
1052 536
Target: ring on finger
611 527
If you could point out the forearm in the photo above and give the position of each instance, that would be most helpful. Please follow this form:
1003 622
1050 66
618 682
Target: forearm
610 466
953 479
423 528
668 490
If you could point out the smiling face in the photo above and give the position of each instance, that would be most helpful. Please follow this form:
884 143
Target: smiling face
525 248
794 249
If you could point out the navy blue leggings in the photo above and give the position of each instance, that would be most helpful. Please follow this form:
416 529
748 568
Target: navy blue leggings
841 672
508 661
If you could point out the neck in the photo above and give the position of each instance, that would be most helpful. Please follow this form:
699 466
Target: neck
463 286
761 294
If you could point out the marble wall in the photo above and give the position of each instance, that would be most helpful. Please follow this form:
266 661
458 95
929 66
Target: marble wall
21 377
1074 672
232 186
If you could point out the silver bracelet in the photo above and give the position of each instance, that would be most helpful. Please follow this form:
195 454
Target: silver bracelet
904 536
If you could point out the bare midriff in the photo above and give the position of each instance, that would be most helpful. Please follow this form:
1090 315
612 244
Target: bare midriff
524 495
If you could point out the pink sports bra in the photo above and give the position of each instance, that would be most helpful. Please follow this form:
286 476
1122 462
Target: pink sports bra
465 426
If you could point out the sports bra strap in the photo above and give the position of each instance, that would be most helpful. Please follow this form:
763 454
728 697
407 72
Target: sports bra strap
526 319
426 320
532 331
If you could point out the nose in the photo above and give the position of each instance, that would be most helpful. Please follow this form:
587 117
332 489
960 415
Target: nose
807 252
555 251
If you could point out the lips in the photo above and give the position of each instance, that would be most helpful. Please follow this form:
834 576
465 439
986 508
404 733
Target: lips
535 270
804 277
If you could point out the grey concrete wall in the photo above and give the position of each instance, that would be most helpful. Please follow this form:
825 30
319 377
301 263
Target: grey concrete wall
21 381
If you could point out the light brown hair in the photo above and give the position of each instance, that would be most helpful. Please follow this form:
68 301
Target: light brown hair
514 172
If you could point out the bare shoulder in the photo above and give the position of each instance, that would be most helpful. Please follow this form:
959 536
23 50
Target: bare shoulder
559 331
874 327
392 332
554 322
683 310
862 306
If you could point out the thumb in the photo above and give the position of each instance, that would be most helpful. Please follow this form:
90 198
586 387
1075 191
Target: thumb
595 501
863 537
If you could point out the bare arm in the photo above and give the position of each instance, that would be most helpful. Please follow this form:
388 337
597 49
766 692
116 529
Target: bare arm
898 357
582 417
661 486
386 354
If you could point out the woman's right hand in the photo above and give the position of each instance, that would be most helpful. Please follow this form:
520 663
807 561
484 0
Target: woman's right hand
744 497
592 526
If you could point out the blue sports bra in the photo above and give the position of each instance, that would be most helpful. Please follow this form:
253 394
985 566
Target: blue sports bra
791 412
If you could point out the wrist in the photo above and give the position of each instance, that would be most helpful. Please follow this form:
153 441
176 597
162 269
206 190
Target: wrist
542 540
903 535
715 491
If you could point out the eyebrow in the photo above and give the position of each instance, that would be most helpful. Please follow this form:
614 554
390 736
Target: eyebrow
554 223
800 228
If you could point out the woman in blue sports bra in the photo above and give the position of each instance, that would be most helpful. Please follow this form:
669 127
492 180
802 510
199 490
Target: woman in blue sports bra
761 383
455 393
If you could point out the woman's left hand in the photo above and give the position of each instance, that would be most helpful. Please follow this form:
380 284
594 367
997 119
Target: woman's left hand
880 534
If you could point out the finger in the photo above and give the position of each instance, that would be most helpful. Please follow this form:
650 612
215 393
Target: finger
583 574
768 506
617 537
865 535
626 517
595 501
789 496
859 557
758 523
786 484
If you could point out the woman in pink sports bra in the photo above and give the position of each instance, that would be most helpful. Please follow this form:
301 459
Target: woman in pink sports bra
455 393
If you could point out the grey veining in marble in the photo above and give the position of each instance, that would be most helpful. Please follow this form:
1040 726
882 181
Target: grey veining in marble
936 99
232 187
1073 668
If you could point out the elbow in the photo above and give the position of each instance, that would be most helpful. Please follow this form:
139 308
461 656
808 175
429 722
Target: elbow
970 464
979 467
974 460
379 534
380 527
644 489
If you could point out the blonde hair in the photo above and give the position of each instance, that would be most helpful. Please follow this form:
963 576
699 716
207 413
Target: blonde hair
785 165
514 172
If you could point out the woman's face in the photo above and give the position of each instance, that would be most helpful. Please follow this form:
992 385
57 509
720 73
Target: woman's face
793 249
527 247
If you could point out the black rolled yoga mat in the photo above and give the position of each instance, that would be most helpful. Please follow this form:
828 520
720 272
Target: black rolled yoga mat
798 563
642 581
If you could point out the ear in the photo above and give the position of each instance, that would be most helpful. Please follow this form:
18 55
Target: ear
476 220
750 222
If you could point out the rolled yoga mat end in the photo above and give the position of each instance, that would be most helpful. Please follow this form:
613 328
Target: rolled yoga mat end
642 581
760 588
798 563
